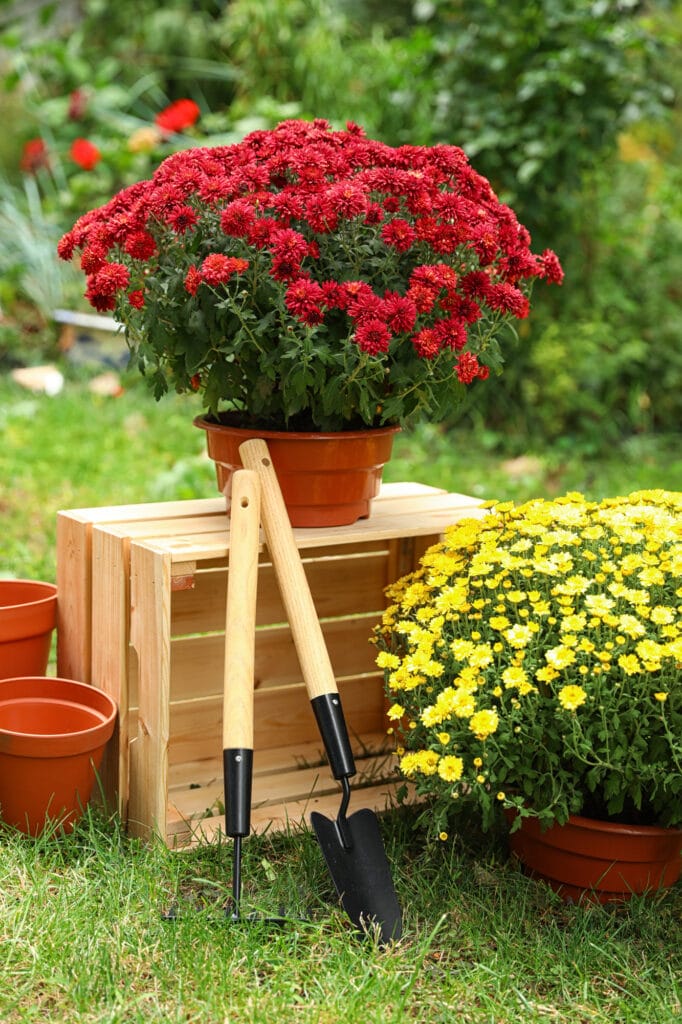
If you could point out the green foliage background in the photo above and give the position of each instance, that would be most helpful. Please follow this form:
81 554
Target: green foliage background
571 108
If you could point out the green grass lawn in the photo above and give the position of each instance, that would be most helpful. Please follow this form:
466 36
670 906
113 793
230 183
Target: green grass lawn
82 937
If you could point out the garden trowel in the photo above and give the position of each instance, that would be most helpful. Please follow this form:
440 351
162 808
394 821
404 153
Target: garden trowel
351 844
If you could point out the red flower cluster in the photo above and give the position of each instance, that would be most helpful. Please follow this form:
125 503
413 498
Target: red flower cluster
400 252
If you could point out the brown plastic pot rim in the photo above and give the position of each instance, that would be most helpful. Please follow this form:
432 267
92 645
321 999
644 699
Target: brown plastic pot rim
28 608
204 423
45 592
614 827
36 744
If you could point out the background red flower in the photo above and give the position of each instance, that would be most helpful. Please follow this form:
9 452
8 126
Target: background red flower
85 154
178 115
34 156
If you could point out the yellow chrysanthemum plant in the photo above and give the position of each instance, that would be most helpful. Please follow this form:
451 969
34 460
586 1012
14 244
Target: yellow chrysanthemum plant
533 663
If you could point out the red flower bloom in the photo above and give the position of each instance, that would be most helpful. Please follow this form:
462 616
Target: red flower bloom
66 246
177 116
102 303
372 336
237 218
451 334
303 298
85 154
508 299
136 299
218 269
468 368
400 312
192 280
34 156
93 258
423 297
426 343
182 219
553 270
109 279
399 234
140 245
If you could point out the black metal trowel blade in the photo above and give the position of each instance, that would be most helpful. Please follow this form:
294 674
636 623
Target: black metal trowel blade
361 875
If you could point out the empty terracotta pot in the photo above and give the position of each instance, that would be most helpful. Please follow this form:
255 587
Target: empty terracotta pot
52 737
28 615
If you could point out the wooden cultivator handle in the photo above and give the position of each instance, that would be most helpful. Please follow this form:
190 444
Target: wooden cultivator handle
240 618
293 584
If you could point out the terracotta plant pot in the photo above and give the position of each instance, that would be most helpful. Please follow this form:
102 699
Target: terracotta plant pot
599 860
326 479
52 737
28 615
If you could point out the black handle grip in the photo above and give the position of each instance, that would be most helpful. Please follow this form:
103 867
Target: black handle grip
332 726
238 775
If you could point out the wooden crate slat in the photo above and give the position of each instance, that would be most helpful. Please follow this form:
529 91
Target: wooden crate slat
281 713
198 662
272 760
110 653
293 814
435 514
150 633
338 586
279 787
74 601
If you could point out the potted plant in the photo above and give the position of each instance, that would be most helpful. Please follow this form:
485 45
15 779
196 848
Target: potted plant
312 281
533 664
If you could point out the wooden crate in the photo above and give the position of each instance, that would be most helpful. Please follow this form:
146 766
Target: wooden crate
142 616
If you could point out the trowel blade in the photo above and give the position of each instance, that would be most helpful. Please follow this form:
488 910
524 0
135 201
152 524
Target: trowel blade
361 875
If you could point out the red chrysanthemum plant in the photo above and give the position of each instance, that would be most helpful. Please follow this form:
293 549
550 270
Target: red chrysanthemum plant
312 279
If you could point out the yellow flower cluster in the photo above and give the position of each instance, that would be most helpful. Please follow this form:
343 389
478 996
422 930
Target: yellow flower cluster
565 611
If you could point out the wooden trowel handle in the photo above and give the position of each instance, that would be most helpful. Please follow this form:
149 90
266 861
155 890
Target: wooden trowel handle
240 618
298 602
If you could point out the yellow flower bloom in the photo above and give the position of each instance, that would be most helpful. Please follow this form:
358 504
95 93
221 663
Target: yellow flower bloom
571 697
661 615
423 762
144 140
661 696
598 604
630 664
484 723
560 657
450 768
385 659
519 635
396 711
